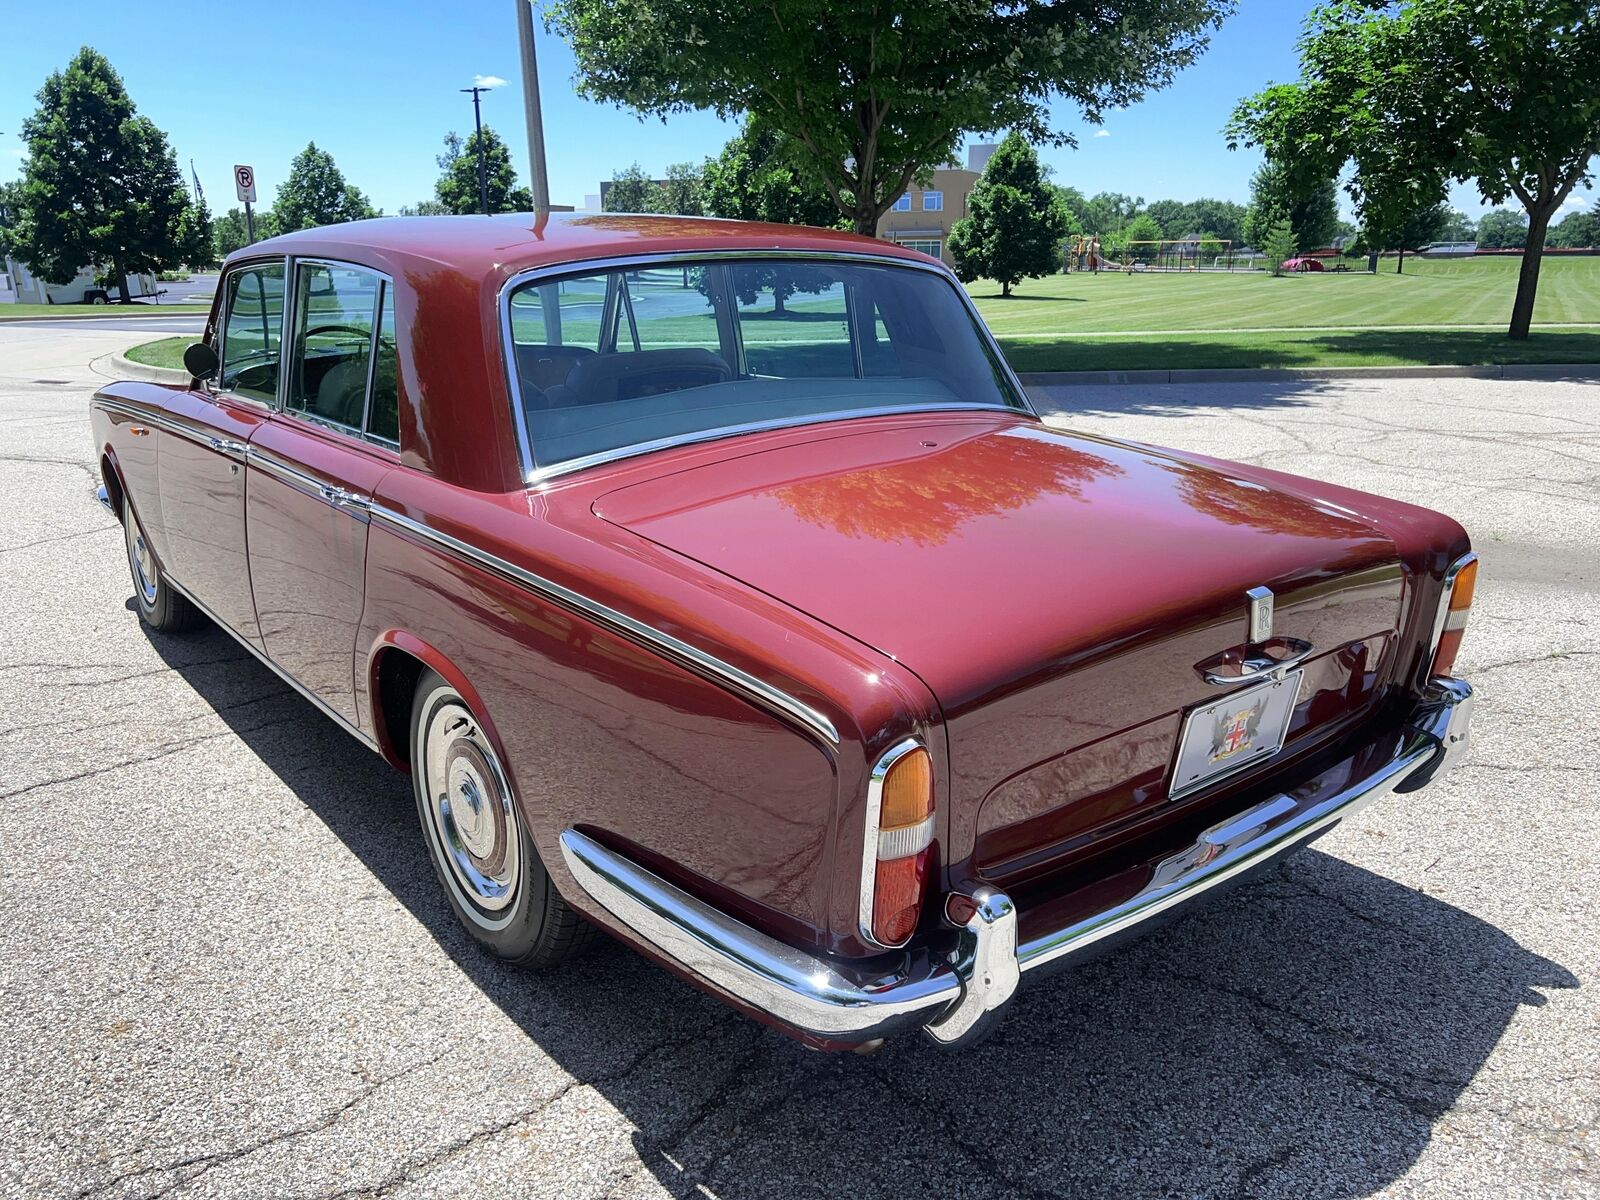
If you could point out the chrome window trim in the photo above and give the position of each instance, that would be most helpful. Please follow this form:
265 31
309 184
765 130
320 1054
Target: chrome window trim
225 308
551 272
1443 615
681 652
291 322
871 837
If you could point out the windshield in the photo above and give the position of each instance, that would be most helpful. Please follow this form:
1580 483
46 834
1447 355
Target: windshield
621 360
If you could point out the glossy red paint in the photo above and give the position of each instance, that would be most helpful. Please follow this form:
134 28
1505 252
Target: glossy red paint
1031 604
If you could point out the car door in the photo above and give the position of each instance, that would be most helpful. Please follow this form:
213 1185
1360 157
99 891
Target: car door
313 469
204 447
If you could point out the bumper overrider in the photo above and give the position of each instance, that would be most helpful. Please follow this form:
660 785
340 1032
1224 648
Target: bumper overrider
957 997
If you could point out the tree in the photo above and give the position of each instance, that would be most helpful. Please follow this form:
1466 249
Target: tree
1412 232
457 188
756 178
100 186
1225 218
231 232
1172 217
10 216
1502 92
1310 203
632 191
196 237
1015 221
316 193
1278 244
1502 229
425 208
1142 229
1106 213
1577 230
682 191
877 95
1458 227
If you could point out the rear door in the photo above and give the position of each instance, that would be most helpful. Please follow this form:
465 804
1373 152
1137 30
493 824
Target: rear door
313 470
204 449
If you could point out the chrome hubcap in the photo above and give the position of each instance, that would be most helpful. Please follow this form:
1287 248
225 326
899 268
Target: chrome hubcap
142 561
472 816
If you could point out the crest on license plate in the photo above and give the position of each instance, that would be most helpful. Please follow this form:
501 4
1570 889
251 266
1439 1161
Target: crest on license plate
1235 731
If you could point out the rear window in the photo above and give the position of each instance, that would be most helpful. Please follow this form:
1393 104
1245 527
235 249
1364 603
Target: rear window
615 361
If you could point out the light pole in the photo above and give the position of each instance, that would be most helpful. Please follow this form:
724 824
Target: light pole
531 109
477 120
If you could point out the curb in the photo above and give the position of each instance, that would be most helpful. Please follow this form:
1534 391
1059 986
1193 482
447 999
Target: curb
1285 374
131 313
125 368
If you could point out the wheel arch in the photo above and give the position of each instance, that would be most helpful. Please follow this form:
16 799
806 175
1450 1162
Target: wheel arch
394 665
111 476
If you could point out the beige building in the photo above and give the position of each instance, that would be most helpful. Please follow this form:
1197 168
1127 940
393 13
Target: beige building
921 219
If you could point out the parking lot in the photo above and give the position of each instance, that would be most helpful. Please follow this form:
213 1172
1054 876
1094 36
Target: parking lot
229 971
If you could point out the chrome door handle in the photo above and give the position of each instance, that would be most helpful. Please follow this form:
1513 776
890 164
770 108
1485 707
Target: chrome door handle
343 498
1261 665
224 446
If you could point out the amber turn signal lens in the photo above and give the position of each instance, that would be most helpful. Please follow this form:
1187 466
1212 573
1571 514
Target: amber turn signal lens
907 791
1462 586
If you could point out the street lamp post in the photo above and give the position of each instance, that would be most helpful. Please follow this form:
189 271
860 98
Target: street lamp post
530 102
477 120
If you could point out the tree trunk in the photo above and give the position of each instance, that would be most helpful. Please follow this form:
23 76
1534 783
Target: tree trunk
121 282
777 301
1005 290
1528 277
866 221
1400 263
1372 262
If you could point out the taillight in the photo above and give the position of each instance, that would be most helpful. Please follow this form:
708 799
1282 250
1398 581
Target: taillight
1459 582
899 844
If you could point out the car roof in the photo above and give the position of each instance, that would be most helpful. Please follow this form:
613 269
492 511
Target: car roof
480 247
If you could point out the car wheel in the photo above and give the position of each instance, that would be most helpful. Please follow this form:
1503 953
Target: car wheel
478 839
161 606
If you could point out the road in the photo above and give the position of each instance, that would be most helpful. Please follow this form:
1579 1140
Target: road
228 970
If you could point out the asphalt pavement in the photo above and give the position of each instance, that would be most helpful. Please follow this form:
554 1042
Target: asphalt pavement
228 969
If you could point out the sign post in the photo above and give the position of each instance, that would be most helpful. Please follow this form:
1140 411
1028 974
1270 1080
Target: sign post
244 182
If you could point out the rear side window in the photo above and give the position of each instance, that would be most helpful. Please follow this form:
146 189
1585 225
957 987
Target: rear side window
335 316
383 419
251 332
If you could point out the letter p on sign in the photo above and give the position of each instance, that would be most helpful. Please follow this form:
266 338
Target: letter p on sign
244 180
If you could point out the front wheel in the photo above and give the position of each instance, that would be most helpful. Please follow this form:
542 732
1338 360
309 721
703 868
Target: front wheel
161 606
477 839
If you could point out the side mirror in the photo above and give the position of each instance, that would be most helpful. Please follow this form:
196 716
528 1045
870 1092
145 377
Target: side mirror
200 360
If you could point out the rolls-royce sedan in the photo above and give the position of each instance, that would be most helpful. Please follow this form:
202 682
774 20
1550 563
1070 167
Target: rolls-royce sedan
719 588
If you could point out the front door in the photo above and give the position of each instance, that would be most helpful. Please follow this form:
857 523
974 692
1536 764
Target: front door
313 470
203 453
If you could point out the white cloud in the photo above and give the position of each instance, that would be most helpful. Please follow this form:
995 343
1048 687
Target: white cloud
488 81
1575 202
1102 133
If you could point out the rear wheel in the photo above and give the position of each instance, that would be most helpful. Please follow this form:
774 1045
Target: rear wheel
478 841
160 605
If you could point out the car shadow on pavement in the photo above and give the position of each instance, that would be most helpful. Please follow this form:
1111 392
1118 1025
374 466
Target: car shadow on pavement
1068 400
1300 1037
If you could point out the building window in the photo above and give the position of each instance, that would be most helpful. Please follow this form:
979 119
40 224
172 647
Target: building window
903 204
929 246
932 201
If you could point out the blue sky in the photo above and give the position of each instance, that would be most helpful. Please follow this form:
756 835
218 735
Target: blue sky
376 85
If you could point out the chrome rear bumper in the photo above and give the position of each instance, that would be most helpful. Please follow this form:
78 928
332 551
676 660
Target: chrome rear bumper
956 998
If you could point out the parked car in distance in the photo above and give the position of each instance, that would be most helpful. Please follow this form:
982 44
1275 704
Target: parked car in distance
719 588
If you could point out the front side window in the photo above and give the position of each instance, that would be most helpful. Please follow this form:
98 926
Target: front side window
611 361
932 201
335 313
251 332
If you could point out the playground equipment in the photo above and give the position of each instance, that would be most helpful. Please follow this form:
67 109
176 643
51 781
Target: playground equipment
1092 253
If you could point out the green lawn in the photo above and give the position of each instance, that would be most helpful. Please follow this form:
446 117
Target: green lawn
12 312
167 352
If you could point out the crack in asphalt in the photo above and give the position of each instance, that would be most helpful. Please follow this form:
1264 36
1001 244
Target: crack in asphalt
60 537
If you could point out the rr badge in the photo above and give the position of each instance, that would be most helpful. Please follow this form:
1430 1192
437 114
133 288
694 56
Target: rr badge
1260 614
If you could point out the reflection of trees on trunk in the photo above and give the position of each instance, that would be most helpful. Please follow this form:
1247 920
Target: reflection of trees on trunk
1240 502
927 498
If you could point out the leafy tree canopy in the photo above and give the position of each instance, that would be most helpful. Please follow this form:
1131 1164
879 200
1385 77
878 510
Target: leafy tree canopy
1502 229
683 191
1278 245
1015 221
632 191
1505 93
100 186
1578 229
1309 203
757 178
317 193
457 188
877 94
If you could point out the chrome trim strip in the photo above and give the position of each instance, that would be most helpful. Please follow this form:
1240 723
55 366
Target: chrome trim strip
156 417
1443 614
792 985
104 499
679 651
957 999
316 701
870 840
330 494
549 272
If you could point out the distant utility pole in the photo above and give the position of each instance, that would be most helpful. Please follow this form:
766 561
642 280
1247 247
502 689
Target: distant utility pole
483 176
530 104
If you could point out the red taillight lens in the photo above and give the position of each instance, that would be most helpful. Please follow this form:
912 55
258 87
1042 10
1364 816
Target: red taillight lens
899 844
1460 582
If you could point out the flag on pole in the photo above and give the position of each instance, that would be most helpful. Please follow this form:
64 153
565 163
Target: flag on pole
199 196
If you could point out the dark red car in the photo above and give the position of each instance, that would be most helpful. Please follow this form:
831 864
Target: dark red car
718 587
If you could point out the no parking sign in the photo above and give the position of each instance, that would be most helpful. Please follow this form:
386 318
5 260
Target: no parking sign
244 181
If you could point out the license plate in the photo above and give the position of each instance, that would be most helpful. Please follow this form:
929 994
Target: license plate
1233 733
